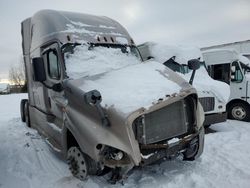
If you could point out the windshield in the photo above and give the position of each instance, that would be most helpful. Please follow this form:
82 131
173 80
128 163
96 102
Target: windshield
92 59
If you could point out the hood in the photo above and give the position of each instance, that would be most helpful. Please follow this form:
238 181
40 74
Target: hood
133 87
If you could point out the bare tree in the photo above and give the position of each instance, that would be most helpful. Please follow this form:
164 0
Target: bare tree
17 74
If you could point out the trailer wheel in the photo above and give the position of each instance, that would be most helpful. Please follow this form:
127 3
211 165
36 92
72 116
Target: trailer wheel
22 104
239 111
80 164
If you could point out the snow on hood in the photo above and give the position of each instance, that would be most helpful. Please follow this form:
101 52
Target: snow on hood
132 87
182 54
203 82
122 79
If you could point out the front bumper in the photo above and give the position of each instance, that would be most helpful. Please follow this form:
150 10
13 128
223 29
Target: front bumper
160 151
215 118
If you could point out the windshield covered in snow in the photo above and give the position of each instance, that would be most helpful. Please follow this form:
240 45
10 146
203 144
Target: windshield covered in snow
88 60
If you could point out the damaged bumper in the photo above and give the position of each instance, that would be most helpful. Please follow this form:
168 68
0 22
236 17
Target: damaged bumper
154 152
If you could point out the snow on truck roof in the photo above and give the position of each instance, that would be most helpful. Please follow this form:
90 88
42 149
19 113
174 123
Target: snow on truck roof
219 56
71 27
162 52
223 56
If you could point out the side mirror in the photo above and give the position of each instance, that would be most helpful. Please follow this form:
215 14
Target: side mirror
194 64
233 68
39 70
93 97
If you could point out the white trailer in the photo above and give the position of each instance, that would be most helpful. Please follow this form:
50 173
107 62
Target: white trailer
233 68
213 94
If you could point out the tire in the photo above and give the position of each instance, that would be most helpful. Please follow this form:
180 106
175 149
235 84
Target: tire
239 111
22 104
27 114
80 164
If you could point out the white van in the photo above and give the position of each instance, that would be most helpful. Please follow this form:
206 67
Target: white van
213 95
231 67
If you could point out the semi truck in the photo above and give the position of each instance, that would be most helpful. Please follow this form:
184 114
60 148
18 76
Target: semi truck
229 66
213 94
90 97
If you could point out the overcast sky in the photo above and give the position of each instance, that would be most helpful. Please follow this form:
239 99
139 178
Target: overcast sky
181 22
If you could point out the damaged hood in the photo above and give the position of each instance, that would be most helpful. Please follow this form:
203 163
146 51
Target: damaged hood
133 87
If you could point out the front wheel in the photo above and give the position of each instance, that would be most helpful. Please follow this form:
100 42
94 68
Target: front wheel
239 111
80 164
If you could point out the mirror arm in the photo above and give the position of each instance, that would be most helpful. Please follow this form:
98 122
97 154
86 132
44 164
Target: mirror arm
192 77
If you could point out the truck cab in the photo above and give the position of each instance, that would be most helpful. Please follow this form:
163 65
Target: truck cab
213 94
232 68
91 98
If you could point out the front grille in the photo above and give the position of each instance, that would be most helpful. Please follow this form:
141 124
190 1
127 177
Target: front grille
168 122
207 103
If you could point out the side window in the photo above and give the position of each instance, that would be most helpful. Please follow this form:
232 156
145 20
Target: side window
236 74
53 65
220 72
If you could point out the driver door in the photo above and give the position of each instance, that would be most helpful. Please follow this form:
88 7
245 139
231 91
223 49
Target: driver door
55 100
238 83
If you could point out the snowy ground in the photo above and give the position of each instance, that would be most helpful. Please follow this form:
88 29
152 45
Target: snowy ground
26 160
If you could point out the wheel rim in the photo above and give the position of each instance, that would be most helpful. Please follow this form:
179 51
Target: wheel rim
77 163
239 112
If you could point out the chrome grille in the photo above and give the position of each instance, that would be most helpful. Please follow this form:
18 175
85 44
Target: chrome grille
207 103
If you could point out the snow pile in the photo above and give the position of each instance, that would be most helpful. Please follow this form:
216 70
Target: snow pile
133 87
26 161
84 62
182 54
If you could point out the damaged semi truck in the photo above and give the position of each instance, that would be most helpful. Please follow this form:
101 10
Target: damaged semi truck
90 96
